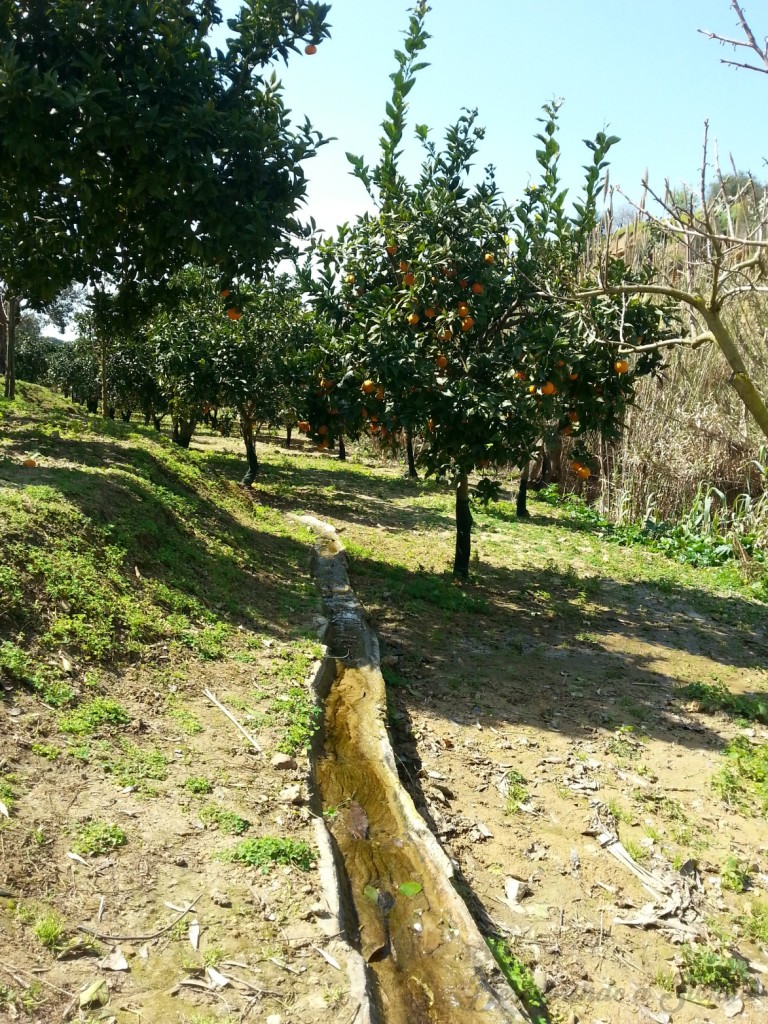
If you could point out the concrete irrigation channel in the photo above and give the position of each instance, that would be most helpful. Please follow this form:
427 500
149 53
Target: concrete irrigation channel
417 954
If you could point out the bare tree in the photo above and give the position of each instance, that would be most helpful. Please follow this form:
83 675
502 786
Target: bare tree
749 42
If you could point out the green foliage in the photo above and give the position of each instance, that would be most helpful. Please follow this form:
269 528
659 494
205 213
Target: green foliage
301 717
516 792
98 176
265 852
520 979
743 781
98 837
87 718
734 875
49 930
138 767
226 821
708 969
198 784
717 697
755 925
45 750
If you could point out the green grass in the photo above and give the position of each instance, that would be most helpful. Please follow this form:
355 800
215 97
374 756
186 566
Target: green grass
87 718
270 850
734 875
49 930
226 821
705 968
45 750
516 792
98 837
755 925
743 781
198 784
300 718
136 766
520 979
717 697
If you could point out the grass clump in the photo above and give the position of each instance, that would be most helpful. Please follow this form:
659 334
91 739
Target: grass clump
198 784
756 924
743 782
136 767
98 837
516 793
264 853
705 968
520 979
188 723
717 697
102 711
734 875
45 750
301 715
226 821
49 931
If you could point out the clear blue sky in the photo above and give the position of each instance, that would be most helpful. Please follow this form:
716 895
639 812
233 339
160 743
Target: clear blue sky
637 68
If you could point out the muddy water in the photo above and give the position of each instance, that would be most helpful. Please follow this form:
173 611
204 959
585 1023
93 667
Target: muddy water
425 970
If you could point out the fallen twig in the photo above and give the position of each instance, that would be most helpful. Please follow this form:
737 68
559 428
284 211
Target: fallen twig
232 719
138 938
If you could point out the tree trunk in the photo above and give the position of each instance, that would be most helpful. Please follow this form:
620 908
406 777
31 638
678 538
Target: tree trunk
739 380
103 374
412 472
156 422
92 404
9 317
288 432
111 412
342 449
125 415
522 495
463 529
246 429
183 430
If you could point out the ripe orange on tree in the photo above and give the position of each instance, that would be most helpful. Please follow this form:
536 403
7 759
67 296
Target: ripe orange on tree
303 426
462 309
621 366
478 288
404 266
409 279
489 258
234 314
583 473
548 388
413 319
467 323
310 49
391 250
322 429
368 387
441 361
429 313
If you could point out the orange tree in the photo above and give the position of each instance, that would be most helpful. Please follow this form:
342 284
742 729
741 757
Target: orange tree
457 312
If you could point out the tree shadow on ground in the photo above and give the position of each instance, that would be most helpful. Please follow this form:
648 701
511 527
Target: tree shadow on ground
505 651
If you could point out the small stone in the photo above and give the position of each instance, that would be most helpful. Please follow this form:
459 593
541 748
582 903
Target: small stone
733 1007
180 862
274 1018
283 762
221 899
291 794
540 979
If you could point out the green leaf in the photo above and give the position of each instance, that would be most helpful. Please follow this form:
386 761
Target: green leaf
410 888
372 893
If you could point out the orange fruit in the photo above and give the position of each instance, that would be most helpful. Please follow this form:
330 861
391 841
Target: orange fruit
462 309
29 463
409 279
621 366
368 387
576 465
303 426
429 313
450 272
532 389
573 376
364 413
463 283
583 473
441 361
322 429
391 250
560 362
234 314
566 431
478 288
467 323
573 416
380 393
521 375
489 258
224 293
322 446
404 265
310 49
325 383
430 424
413 319
548 388
350 278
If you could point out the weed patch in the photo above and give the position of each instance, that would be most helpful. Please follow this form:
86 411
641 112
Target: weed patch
198 785
300 717
226 821
138 767
103 711
717 697
520 979
705 968
270 850
98 837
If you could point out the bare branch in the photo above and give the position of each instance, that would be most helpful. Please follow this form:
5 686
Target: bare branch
749 42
